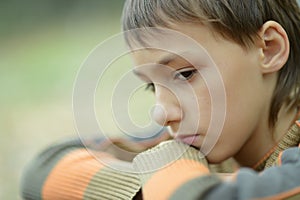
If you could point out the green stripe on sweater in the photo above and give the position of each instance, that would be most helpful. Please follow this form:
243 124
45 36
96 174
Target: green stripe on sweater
31 184
112 184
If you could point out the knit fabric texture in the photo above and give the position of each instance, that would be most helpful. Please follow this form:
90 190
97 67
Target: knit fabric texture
290 139
68 170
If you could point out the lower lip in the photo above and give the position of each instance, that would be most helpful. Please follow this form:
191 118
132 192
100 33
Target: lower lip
189 139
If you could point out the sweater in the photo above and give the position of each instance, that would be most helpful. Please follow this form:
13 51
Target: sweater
101 169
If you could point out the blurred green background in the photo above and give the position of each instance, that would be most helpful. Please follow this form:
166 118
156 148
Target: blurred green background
43 44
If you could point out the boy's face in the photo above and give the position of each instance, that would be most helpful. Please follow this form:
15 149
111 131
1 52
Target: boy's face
189 96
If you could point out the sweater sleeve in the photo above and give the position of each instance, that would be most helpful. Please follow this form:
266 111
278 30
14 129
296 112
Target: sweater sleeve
278 182
76 169
164 168
184 179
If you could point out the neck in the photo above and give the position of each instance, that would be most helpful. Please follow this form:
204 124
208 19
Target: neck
264 138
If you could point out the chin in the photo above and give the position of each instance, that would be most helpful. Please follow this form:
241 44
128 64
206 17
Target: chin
216 157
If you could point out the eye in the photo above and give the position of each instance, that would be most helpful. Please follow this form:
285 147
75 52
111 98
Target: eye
185 74
150 86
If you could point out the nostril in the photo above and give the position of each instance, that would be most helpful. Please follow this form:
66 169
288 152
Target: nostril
159 114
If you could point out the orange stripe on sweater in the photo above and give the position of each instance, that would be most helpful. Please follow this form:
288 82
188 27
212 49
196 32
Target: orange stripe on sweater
298 123
164 183
71 176
279 159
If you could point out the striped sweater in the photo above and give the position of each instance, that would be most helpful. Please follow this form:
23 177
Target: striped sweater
102 169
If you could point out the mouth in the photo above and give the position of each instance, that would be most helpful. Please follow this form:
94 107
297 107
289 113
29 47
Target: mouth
188 139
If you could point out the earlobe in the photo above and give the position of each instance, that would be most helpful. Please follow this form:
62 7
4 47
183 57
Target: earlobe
275 48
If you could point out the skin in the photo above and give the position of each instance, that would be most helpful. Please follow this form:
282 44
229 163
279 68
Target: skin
249 77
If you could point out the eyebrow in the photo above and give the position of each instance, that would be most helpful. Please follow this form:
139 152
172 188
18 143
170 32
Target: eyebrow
167 59
136 72
163 61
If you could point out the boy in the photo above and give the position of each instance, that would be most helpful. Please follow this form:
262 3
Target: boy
253 46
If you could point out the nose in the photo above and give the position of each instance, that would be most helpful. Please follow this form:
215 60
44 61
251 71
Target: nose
167 109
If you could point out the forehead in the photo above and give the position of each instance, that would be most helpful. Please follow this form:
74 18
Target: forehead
158 58
152 46
151 55
196 44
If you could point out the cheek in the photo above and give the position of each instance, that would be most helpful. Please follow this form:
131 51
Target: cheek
229 144
245 101
243 108
198 108
205 111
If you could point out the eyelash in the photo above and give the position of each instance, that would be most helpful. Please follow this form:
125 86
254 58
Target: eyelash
184 76
150 86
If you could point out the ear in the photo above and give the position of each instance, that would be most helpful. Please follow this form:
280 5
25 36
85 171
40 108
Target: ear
275 47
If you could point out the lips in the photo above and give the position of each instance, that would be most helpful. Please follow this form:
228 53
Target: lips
188 139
